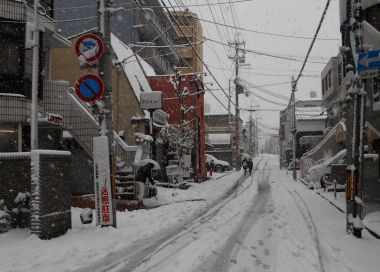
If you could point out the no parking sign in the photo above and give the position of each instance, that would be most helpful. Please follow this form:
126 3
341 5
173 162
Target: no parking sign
90 46
89 88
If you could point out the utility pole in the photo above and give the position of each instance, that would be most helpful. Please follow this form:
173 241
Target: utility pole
356 112
36 47
239 56
250 133
294 130
257 137
105 73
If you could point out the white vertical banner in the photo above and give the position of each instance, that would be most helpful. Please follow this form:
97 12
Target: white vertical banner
185 166
102 182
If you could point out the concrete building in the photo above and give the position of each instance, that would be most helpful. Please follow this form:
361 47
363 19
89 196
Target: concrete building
148 26
16 79
332 93
195 117
310 121
220 133
190 30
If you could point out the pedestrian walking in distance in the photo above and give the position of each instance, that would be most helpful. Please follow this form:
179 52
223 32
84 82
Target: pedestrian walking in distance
250 165
244 164
212 165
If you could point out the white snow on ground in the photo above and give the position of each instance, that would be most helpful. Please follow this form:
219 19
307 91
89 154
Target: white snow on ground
270 223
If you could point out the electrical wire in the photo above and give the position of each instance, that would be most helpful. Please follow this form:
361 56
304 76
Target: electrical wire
262 53
267 33
312 43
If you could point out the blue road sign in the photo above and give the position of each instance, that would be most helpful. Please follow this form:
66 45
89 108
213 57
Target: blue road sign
369 60
89 88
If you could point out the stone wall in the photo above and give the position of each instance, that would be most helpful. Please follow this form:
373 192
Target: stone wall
51 194
48 181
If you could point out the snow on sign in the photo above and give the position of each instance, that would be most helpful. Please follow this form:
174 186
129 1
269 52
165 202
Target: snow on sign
89 88
368 60
102 182
90 46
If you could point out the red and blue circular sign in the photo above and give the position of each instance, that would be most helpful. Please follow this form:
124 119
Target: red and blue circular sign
90 46
89 88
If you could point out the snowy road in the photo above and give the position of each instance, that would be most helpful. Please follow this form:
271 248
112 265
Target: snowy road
237 223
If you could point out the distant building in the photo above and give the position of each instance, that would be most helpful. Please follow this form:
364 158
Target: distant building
332 94
220 133
190 30
310 121
272 145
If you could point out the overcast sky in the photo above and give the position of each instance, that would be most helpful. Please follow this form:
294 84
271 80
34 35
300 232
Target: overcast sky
290 17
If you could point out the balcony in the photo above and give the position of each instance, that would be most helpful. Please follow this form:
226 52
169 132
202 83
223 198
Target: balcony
16 108
150 27
154 58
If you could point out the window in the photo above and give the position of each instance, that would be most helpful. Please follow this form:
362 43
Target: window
329 79
16 61
8 138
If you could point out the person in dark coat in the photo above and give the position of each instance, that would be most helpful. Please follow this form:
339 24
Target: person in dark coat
250 165
144 173
244 164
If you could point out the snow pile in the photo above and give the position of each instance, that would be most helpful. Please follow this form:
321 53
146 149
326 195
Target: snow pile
141 138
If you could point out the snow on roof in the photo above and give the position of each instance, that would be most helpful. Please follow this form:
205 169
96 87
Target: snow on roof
223 138
132 68
149 71
310 113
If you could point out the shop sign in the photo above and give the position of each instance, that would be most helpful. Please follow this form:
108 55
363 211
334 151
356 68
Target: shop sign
160 117
55 118
151 100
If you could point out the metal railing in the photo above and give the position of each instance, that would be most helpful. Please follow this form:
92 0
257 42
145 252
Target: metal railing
78 118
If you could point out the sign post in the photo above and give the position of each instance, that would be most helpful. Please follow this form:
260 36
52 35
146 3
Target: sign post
90 46
151 101
89 88
103 195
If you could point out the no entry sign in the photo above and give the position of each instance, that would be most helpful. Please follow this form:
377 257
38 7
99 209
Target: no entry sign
90 46
89 88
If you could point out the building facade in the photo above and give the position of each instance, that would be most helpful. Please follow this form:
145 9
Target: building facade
16 78
310 121
145 27
194 117
220 133
190 29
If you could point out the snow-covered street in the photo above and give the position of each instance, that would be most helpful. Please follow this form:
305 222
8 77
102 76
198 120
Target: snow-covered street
263 222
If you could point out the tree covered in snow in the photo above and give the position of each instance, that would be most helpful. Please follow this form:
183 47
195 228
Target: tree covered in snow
179 138
22 211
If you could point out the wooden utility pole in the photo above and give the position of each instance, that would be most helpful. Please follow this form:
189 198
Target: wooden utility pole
239 56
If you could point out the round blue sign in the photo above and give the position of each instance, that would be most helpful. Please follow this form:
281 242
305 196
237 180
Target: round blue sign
89 88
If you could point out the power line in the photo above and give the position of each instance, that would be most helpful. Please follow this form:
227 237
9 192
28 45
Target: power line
263 53
312 43
268 33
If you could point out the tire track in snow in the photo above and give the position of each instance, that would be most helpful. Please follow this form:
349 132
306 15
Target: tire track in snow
131 257
223 259
306 215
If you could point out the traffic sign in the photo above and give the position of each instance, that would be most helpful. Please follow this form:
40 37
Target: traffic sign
89 88
369 60
90 46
